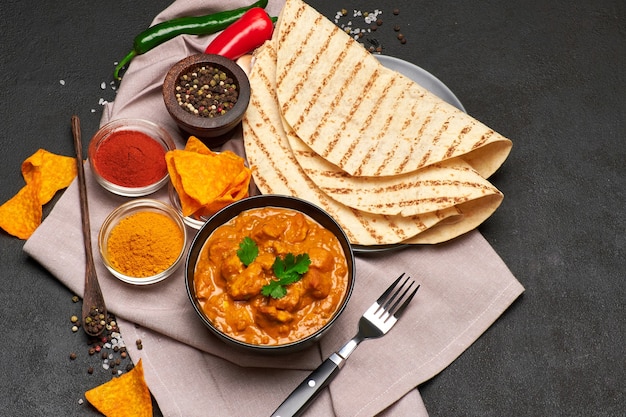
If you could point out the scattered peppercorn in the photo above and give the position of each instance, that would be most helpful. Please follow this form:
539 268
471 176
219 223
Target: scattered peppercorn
206 91
109 346
372 19
139 344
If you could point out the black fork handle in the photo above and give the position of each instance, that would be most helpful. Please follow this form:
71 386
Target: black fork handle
300 399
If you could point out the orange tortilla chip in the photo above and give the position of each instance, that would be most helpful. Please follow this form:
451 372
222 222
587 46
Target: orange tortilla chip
188 204
196 145
21 215
206 181
125 396
54 171
45 173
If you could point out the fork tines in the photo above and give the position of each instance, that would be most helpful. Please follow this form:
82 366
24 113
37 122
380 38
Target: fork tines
399 302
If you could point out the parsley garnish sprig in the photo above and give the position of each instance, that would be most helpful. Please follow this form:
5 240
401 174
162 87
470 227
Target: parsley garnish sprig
248 251
288 270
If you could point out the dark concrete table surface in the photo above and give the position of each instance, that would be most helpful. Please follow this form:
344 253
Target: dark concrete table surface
549 75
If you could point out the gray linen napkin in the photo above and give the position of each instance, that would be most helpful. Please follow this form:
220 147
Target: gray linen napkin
465 288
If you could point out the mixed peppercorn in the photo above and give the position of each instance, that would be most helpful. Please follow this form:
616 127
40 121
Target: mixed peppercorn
109 347
95 321
206 91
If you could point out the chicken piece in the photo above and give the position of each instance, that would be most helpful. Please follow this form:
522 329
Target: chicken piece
220 250
248 283
317 283
279 248
270 312
231 267
204 285
273 229
266 261
297 228
321 259
291 301
238 318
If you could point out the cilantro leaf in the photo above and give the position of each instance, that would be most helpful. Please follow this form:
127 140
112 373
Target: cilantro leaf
274 289
287 270
248 251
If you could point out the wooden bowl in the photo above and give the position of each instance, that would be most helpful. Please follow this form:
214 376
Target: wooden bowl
213 131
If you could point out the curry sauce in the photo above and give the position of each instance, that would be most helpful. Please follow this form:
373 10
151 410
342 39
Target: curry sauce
229 292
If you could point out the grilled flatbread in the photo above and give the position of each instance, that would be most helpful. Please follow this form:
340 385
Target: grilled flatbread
362 117
436 187
277 171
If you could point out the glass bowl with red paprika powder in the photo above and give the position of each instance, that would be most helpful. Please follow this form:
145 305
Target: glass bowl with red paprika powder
207 96
143 241
128 157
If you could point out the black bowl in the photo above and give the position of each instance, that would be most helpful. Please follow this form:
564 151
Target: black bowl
260 201
211 130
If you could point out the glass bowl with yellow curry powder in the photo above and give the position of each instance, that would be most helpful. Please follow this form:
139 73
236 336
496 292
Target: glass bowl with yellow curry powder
142 241
127 157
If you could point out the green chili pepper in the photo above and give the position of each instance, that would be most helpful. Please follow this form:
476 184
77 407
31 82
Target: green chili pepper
193 25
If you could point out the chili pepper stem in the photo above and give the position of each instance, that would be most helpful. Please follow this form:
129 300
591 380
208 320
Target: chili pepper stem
122 64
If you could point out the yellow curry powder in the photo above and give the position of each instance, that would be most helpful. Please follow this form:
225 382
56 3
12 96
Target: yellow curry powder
144 244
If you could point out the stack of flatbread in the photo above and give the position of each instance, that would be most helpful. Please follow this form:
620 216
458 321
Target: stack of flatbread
390 161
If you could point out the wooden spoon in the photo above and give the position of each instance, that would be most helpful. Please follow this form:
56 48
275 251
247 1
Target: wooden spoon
94 309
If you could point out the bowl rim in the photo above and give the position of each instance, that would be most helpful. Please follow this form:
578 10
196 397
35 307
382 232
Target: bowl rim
258 201
124 210
198 122
163 138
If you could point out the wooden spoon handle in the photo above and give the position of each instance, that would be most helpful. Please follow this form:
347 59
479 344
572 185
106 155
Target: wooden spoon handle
82 189
93 301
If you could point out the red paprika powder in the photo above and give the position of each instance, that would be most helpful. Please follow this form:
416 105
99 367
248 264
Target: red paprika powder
130 159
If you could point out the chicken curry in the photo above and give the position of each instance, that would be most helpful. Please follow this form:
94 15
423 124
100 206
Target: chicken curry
231 291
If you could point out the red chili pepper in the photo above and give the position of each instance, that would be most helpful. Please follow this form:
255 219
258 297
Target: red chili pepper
244 35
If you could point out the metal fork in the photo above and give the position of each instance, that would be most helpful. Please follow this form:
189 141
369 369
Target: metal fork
376 322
